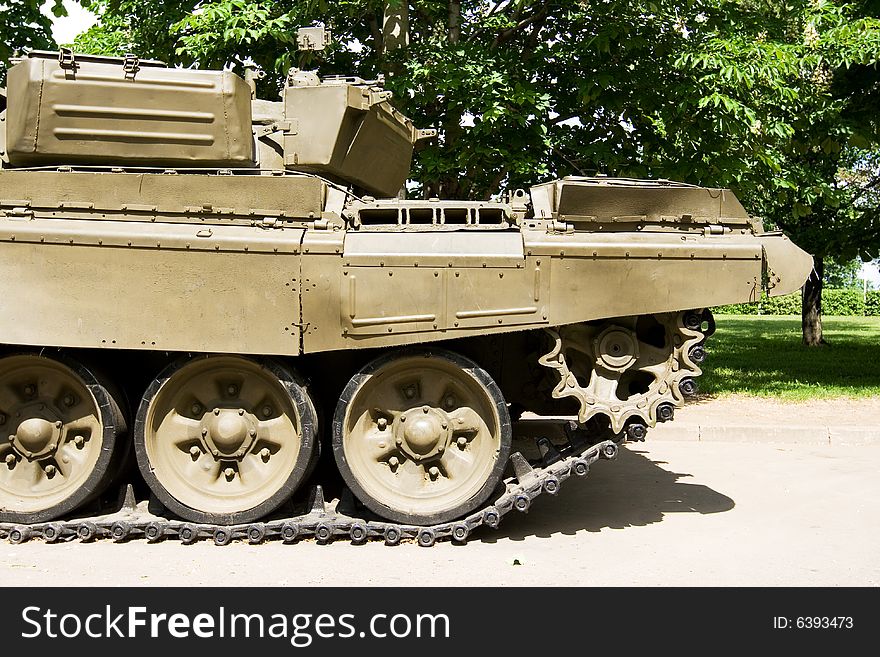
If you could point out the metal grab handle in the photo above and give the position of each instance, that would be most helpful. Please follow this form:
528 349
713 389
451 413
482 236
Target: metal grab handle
66 59
130 66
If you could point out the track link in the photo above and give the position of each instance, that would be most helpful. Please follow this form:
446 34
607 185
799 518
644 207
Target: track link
322 521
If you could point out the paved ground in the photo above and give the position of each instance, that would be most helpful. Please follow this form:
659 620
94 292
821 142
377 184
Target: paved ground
666 513
750 419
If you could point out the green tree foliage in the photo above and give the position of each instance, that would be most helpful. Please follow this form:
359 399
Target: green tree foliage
840 275
22 26
126 26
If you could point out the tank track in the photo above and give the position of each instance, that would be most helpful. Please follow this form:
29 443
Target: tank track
322 521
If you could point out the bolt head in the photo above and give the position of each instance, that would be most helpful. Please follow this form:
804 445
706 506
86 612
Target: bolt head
382 423
204 431
398 442
434 472
409 392
50 470
196 409
449 402
29 389
241 411
11 438
461 442
425 409
252 433
79 441
69 400
229 473
11 460
216 411
232 390
267 411
394 461
59 424
441 449
265 453
195 452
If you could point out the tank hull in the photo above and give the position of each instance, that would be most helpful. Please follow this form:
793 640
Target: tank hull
150 264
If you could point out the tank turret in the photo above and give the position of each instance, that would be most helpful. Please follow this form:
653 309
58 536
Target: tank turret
88 110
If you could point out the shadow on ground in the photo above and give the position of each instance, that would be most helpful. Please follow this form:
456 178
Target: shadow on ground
632 491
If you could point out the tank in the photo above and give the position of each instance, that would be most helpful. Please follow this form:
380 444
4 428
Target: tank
223 306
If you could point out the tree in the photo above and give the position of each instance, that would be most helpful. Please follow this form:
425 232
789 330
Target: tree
22 26
842 275
778 101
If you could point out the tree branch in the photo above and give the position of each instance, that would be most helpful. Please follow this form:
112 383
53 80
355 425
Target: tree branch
532 40
379 42
508 34
497 7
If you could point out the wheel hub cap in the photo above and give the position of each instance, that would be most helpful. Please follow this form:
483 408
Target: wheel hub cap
229 432
423 432
36 437
616 348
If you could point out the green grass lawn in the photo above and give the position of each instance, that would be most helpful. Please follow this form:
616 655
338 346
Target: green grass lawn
764 356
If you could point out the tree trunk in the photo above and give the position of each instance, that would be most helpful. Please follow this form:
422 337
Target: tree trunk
395 26
811 306
454 21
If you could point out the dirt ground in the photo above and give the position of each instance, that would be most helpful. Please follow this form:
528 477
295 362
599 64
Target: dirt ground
665 513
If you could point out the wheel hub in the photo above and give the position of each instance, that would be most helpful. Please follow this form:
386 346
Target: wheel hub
616 349
36 437
422 433
229 432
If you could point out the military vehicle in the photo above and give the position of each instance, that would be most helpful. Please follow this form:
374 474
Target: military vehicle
217 286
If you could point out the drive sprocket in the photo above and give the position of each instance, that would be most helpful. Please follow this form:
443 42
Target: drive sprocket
629 369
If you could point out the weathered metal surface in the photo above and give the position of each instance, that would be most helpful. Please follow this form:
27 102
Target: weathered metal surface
192 197
94 110
623 201
347 129
232 293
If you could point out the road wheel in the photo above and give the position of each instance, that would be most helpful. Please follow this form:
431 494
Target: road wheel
421 437
59 428
225 439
